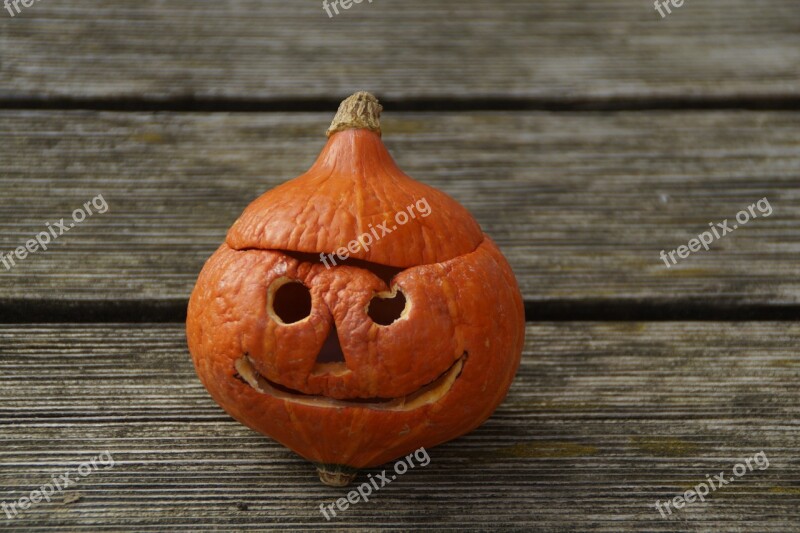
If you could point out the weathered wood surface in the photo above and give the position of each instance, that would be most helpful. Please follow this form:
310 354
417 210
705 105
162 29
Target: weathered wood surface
602 421
581 204
556 50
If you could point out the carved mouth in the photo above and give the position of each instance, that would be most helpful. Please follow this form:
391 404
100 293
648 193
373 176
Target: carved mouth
425 395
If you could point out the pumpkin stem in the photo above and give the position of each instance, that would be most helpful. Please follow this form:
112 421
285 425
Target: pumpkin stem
359 111
336 475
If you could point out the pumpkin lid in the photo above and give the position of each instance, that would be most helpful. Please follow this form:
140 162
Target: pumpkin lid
355 198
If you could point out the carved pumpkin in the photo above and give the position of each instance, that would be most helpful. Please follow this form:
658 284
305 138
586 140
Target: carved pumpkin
408 338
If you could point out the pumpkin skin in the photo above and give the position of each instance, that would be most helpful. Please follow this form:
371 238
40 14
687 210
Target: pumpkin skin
435 373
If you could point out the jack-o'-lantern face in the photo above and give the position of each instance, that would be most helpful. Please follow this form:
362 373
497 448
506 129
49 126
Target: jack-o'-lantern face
410 341
308 319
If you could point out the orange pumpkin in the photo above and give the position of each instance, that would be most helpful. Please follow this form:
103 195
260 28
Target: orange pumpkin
408 338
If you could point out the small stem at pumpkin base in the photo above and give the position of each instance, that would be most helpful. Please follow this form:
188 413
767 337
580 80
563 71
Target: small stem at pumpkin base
359 111
336 475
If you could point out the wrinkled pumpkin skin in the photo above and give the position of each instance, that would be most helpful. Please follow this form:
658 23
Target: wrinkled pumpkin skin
469 304
462 300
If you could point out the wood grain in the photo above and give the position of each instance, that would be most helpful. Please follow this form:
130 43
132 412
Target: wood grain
581 203
602 421
269 50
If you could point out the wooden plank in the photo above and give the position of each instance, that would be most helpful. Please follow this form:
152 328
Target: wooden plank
267 50
581 204
603 420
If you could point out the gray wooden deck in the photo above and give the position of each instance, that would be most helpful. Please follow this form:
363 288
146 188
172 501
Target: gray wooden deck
585 137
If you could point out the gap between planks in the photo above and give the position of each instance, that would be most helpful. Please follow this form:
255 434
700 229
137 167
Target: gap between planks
785 102
174 312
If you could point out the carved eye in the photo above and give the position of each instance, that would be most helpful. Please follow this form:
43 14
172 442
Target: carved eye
289 301
385 308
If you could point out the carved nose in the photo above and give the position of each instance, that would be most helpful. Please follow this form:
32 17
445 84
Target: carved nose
331 350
